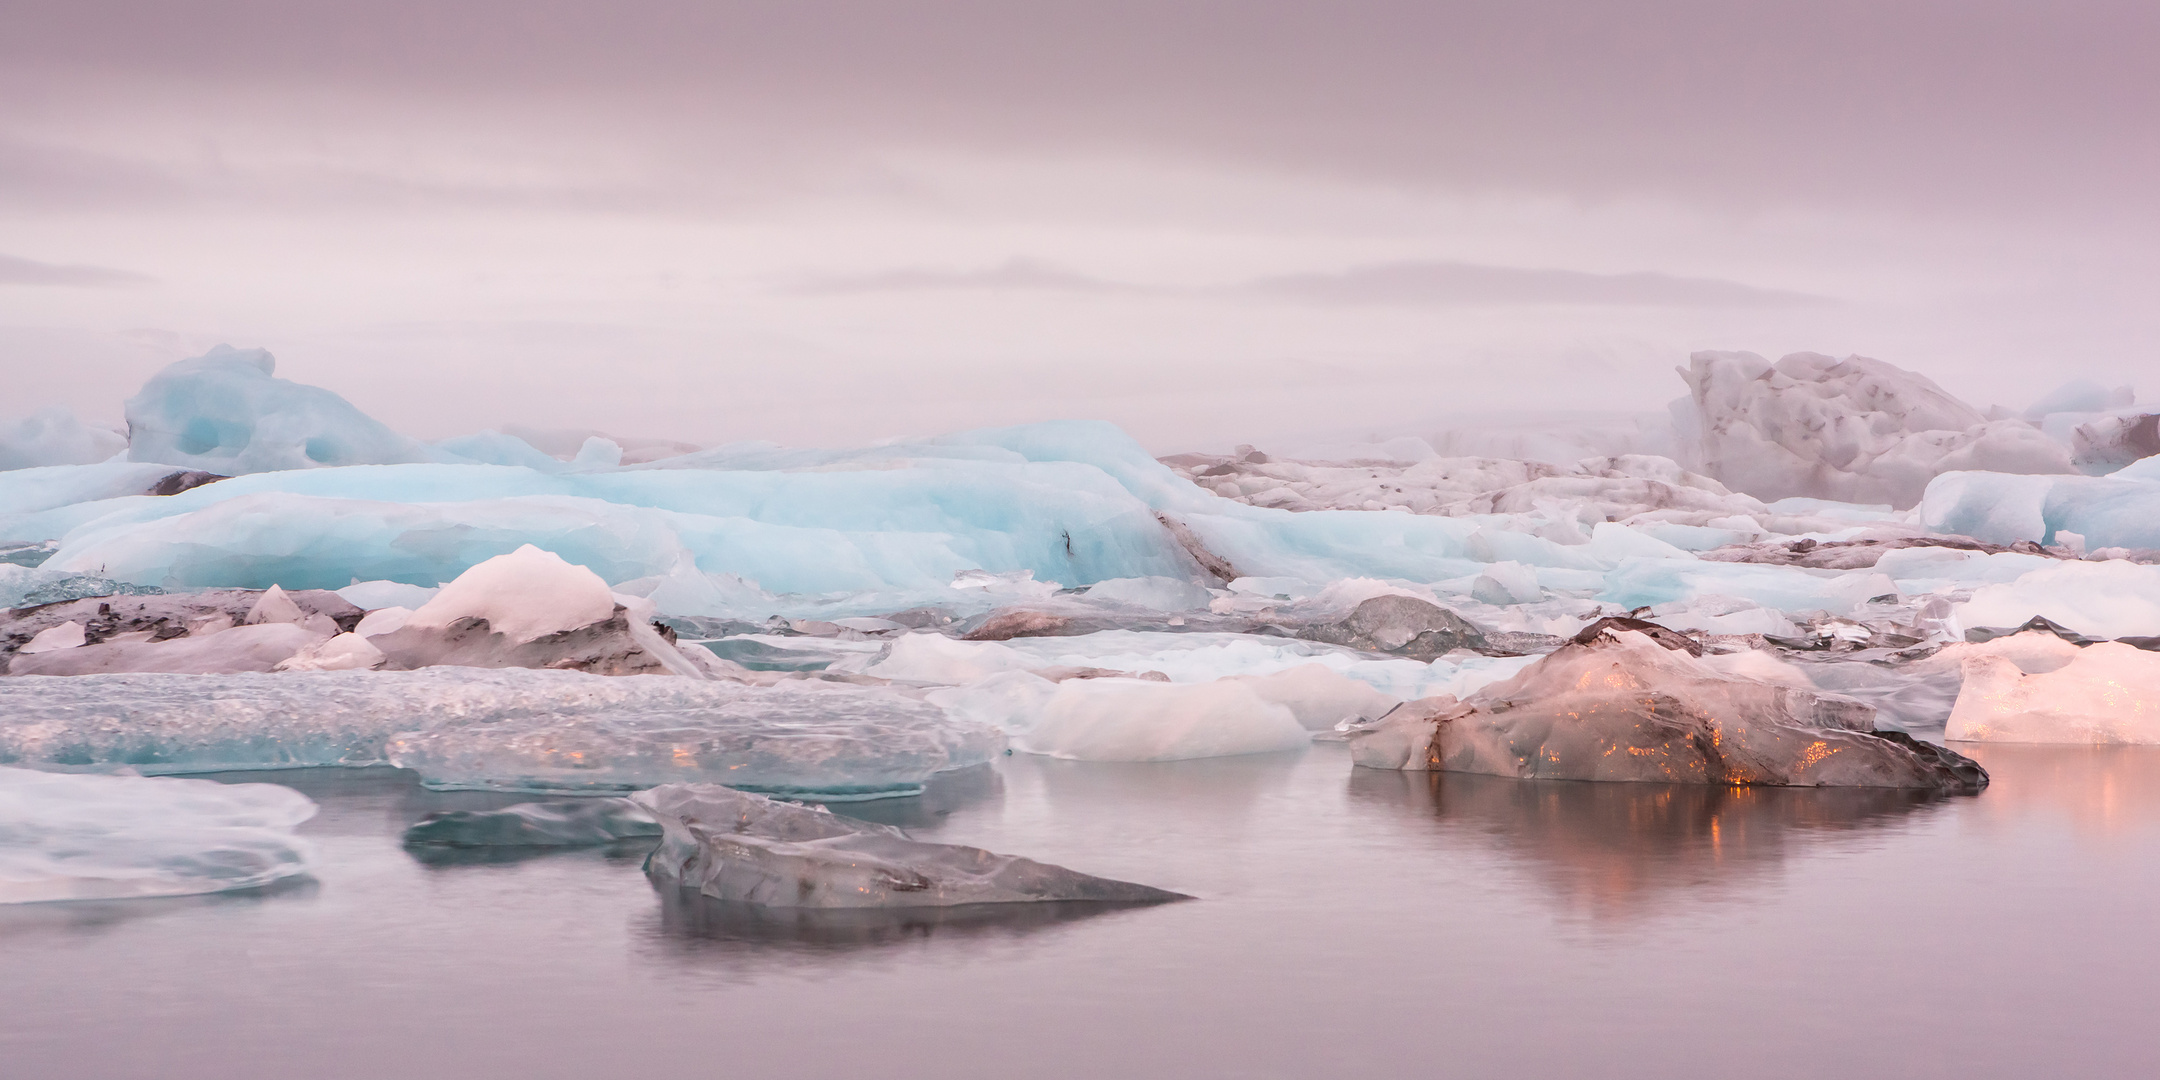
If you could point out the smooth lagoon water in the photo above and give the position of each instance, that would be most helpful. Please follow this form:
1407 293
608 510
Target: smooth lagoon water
1348 923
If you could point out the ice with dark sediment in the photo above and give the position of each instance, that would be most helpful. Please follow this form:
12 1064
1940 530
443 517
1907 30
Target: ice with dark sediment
587 822
737 846
508 728
118 837
1622 707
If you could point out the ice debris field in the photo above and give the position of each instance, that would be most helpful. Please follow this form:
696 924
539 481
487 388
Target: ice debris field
1837 574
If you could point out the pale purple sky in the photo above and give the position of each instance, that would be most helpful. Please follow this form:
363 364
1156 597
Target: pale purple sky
824 222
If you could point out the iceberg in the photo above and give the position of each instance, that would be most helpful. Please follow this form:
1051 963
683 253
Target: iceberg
506 728
116 837
554 823
524 595
2056 692
2118 511
53 436
226 412
2109 599
1623 707
1854 430
734 846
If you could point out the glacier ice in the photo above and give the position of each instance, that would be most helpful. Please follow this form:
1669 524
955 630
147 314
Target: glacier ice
1855 430
68 837
2121 510
523 595
226 412
2109 599
2107 692
730 845
1625 708
509 728
582 822
52 436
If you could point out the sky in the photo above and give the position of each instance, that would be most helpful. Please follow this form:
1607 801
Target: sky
830 221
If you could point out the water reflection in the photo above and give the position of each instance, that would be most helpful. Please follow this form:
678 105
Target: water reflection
1622 850
2104 792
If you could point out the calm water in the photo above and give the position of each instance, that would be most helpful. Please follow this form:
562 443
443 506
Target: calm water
1350 924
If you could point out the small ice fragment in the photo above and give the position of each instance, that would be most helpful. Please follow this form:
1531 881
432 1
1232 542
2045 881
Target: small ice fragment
524 595
275 607
732 845
345 652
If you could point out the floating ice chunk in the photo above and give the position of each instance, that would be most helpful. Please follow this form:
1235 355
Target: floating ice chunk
215 652
1140 720
524 595
1319 697
1624 708
730 845
508 728
554 823
1650 582
2111 599
345 652
53 436
224 412
112 837
1153 593
835 741
2107 693
67 635
371 595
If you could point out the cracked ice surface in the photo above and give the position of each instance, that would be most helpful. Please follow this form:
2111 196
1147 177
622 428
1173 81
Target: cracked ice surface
507 728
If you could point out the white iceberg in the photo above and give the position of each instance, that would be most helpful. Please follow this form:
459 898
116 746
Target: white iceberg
2050 691
66 837
2110 599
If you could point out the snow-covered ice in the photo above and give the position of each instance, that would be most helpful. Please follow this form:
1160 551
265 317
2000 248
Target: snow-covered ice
66 837
734 846
526 594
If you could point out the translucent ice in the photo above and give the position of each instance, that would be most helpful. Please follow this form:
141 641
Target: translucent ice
499 728
734 846
1624 708
2105 693
2122 510
109 837
225 412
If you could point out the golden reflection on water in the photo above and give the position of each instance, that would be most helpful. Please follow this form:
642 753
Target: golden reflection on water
1614 850
2103 792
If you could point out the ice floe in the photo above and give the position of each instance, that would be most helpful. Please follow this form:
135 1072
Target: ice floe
733 846
68 837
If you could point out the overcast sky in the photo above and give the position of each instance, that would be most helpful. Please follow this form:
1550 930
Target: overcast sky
822 222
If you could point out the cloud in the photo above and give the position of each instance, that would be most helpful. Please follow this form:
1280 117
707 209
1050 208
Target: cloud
1013 275
15 271
1424 284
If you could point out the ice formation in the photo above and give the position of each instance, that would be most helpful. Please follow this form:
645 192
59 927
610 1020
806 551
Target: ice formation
505 728
739 847
68 837
554 823
225 412
526 594
1625 708
1855 430
2045 690
54 437
2117 511
2109 599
